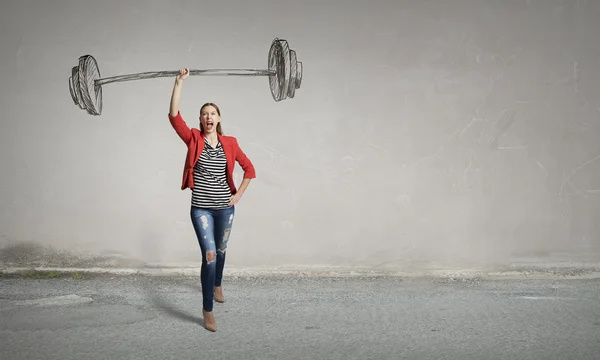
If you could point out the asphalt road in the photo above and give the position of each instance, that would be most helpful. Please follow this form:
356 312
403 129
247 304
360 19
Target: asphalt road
300 318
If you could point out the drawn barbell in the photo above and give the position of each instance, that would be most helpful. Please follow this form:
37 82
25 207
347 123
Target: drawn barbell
284 72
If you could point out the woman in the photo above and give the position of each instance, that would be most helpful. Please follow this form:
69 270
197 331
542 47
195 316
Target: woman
208 172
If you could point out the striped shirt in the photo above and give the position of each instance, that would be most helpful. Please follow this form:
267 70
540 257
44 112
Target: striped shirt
210 179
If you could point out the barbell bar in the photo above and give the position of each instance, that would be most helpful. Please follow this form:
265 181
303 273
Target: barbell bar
284 73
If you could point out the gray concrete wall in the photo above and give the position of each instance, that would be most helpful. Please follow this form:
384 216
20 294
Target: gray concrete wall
424 131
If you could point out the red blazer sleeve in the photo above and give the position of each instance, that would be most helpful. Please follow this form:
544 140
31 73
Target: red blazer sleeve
181 127
244 161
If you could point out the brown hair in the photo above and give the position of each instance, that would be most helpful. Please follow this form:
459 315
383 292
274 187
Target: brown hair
219 129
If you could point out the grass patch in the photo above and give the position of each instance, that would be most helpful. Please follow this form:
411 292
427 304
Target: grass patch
36 274
42 275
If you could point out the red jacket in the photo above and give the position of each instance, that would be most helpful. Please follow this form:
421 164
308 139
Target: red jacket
194 140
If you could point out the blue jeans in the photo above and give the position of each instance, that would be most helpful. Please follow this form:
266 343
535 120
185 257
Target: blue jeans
212 227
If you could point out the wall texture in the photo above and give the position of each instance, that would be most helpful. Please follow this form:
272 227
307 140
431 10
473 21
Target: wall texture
461 131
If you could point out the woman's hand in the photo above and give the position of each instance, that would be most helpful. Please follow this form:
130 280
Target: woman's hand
183 74
238 195
234 199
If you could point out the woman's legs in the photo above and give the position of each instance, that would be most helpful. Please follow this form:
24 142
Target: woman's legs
212 229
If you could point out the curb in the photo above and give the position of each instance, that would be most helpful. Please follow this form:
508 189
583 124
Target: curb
515 271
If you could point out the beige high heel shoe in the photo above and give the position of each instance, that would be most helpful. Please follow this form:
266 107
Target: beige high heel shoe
209 320
218 298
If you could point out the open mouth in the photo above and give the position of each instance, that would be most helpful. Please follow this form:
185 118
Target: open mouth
209 125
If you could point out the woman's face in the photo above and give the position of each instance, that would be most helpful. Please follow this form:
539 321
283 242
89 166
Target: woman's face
209 118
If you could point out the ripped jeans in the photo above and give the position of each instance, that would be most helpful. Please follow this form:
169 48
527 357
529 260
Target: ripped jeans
212 227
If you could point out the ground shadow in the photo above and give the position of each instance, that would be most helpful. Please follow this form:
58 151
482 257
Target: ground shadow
164 306
172 311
